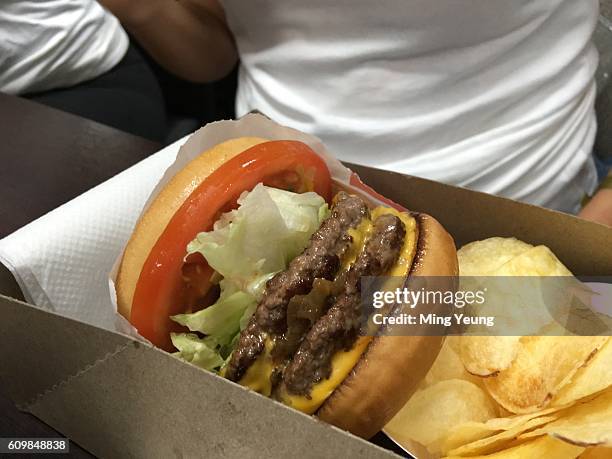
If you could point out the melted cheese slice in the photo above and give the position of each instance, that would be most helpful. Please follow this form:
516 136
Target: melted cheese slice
342 364
258 375
359 236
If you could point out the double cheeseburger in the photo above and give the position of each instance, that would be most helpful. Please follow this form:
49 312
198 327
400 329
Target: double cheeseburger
304 344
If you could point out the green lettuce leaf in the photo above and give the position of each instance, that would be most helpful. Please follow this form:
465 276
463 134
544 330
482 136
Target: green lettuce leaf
199 351
252 243
221 320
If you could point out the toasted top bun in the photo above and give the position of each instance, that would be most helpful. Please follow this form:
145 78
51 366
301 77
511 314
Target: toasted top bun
164 206
391 368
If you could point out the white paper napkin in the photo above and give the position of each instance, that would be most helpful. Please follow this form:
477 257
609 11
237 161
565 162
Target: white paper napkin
62 260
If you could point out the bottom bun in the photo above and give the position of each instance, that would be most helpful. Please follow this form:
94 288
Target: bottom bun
391 368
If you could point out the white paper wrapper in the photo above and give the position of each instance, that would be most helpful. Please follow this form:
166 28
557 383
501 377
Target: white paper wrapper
62 260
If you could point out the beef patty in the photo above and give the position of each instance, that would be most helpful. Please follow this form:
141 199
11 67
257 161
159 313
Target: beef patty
339 328
320 259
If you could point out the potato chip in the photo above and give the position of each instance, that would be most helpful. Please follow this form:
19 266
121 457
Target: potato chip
481 258
500 440
543 447
597 452
594 377
503 412
472 431
535 292
466 433
586 424
537 261
431 412
544 364
511 422
488 355
538 376
541 300
447 365
453 342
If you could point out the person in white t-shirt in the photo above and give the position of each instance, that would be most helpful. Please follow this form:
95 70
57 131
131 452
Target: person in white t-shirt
495 96
75 55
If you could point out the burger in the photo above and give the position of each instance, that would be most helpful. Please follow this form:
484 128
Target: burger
249 263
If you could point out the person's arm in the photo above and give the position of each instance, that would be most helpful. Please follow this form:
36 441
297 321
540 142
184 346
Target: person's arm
190 38
599 208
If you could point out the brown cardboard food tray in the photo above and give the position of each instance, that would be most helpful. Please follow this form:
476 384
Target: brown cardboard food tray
117 397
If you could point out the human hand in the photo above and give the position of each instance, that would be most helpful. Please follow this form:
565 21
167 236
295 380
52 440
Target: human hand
599 208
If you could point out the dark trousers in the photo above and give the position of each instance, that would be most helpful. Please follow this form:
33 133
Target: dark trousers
127 97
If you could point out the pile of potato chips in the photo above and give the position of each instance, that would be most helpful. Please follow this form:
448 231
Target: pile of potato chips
510 396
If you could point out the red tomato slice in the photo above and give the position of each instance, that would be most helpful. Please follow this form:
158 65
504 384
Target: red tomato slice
161 290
